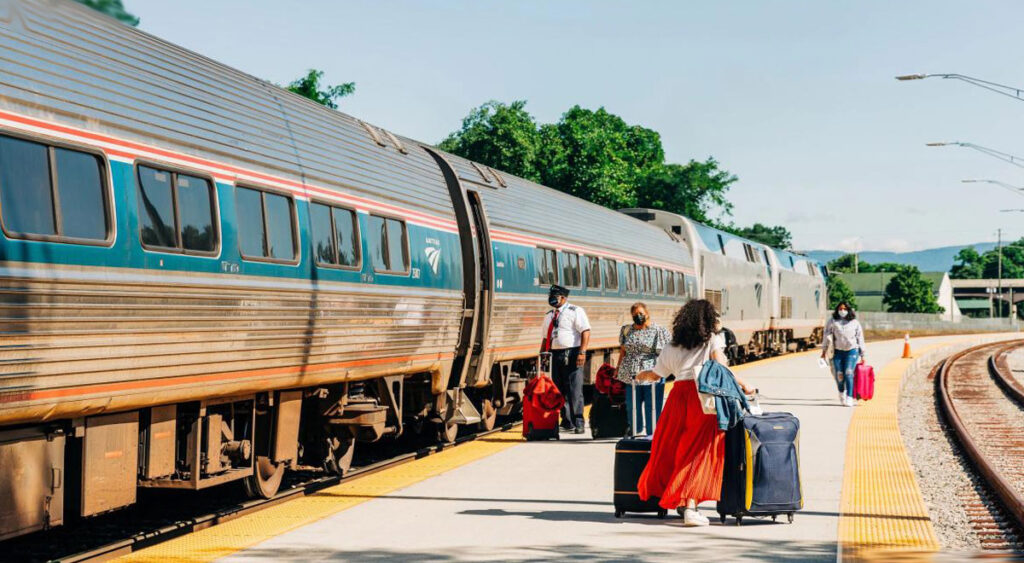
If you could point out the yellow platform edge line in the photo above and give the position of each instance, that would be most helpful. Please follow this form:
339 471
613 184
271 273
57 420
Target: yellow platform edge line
228 538
882 511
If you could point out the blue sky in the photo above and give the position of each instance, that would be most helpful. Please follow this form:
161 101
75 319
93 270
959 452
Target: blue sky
795 98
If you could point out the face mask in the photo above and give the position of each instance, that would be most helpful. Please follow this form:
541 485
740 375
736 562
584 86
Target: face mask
842 314
639 318
553 300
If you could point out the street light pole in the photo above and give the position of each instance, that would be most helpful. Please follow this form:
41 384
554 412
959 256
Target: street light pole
1005 157
999 246
1003 89
1011 187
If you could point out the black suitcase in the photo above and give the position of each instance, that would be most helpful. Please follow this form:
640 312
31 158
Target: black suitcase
607 417
762 468
631 457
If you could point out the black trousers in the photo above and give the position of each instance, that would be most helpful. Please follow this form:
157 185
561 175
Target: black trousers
569 380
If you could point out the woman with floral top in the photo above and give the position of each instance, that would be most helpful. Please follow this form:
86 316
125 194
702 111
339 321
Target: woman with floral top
639 346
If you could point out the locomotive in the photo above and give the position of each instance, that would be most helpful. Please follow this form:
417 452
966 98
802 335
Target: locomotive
207 279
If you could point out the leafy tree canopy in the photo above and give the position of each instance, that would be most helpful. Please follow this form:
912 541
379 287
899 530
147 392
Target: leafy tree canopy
909 292
839 291
972 265
309 86
499 135
777 236
844 264
114 9
596 155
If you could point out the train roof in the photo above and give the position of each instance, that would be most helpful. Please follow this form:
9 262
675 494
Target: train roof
60 61
528 208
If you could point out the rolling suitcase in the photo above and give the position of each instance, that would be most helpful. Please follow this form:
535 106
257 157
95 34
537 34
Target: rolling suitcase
631 457
542 403
762 468
864 382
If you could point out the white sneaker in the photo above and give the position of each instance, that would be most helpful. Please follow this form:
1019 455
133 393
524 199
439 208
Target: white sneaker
851 402
842 400
692 518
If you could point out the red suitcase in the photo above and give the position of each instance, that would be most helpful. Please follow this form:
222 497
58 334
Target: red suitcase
542 403
864 382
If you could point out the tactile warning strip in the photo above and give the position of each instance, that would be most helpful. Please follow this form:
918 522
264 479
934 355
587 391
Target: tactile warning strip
882 513
230 537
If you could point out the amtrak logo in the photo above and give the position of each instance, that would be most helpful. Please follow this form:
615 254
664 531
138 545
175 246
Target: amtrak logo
434 258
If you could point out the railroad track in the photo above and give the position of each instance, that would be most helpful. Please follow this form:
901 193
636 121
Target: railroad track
983 404
118 537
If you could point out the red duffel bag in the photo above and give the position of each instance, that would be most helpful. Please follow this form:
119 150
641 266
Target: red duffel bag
606 383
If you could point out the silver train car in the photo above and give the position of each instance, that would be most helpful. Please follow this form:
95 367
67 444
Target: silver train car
207 279
772 301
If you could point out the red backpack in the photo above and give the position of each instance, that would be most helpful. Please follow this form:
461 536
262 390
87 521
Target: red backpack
606 383
542 393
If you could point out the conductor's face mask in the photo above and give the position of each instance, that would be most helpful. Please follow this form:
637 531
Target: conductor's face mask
553 300
842 313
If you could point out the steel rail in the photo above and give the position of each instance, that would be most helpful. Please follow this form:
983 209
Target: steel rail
1007 495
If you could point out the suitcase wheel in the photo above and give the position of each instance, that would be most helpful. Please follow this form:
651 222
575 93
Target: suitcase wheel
662 513
618 514
739 520
790 517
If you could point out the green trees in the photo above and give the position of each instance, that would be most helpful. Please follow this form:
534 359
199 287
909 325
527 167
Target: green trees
114 9
596 155
309 86
845 264
839 291
777 236
972 265
499 135
909 292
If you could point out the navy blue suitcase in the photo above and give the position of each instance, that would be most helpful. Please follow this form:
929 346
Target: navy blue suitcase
762 468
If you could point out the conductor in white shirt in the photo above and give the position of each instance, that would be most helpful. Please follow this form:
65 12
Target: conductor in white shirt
566 334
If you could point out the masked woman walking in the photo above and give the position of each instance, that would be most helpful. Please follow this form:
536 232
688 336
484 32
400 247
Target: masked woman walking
847 337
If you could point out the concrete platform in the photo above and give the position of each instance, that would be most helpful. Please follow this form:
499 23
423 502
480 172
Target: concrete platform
552 500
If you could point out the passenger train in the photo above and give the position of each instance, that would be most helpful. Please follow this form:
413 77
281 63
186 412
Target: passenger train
207 279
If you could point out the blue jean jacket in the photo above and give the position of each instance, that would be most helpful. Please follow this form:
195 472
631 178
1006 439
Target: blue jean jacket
730 402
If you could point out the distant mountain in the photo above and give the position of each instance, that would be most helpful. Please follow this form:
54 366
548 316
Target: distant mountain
930 260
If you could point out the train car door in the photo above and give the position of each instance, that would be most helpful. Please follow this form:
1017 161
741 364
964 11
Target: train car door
477 278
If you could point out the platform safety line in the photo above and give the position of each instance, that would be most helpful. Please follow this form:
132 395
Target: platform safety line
228 538
882 512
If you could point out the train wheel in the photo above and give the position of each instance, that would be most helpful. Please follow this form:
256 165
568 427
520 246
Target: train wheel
340 449
446 432
266 478
488 414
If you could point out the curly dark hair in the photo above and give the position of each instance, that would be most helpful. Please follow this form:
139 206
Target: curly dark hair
850 315
694 324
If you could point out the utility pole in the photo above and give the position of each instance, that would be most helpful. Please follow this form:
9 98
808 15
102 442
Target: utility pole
999 246
856 262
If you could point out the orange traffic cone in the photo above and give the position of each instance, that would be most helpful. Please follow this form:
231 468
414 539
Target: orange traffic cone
906 345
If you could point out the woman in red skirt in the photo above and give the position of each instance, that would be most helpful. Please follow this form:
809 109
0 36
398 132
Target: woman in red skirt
688 451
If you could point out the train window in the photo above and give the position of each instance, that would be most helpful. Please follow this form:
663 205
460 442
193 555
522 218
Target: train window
593 272
611 274
715 297
645 282
195 213
52 192
570 269
631 277
266 225
721 244
335 235
176 211
546 262
390 241
670 283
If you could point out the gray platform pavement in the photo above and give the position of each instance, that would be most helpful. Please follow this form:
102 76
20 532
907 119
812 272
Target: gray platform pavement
552 500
